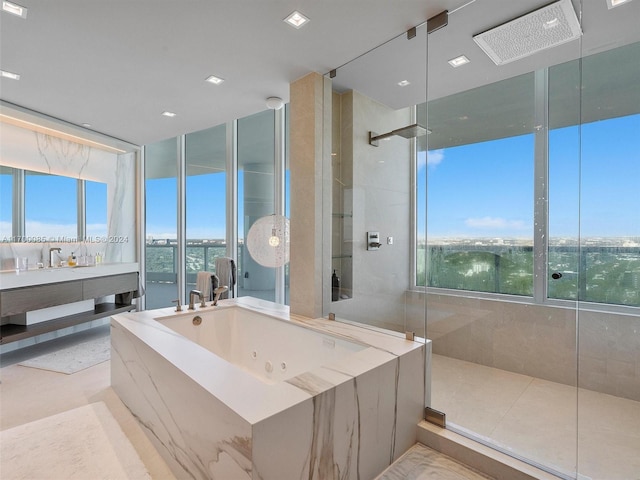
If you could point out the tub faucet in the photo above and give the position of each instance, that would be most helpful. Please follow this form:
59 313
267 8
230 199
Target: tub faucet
217 292
200 297
51 250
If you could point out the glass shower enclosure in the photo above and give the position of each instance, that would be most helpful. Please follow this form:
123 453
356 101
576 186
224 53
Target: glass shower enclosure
508 233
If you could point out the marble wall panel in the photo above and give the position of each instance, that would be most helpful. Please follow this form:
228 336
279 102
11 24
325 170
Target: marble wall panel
599 349
25 149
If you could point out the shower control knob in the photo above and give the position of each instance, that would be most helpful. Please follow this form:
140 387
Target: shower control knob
556 275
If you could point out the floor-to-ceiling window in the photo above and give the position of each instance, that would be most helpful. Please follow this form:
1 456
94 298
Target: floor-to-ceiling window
256 197
206 201
161 213
210 161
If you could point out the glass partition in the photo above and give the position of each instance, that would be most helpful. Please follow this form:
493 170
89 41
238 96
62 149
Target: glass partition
375 186
523 213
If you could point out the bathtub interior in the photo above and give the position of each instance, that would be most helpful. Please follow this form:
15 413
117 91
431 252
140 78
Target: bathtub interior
271 349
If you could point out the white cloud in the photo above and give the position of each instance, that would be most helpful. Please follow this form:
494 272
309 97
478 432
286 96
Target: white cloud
495 223
432 158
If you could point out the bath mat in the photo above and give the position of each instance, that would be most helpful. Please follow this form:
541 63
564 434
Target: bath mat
75 358
83 443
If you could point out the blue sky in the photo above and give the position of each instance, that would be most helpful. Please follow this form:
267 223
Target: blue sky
479 190
51 206
205 206
486 189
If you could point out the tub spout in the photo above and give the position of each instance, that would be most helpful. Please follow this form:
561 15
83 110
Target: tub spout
198 293
217 292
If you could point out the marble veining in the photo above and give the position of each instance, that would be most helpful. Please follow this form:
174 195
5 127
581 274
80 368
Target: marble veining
310 383
62 155
39 152
423 463
211 419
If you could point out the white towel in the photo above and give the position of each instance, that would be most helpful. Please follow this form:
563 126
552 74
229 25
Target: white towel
203 283
225 267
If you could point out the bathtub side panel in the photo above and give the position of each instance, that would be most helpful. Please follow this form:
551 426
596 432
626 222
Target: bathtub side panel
377 401
353 430
411 398
282 444
197 435
318 439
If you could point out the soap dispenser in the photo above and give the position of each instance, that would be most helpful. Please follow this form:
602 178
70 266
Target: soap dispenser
335 287
71 261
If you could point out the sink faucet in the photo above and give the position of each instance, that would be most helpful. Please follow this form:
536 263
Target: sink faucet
217 292
51 250
200 297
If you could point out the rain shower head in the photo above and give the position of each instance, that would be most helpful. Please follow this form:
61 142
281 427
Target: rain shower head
544 28
410 131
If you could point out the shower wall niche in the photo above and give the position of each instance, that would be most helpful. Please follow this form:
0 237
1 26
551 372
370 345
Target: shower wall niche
371 192
342 196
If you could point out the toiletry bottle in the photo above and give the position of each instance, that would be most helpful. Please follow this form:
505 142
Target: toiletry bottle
71 261
335 287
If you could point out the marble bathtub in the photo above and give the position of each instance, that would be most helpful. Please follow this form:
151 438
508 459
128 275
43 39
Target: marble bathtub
345 405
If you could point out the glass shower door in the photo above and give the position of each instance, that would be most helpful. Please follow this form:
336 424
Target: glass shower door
498 183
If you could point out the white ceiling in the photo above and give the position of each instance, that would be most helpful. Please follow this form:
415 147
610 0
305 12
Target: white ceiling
118 64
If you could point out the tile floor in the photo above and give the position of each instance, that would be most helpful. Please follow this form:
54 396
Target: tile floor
549 423
29 394
502 407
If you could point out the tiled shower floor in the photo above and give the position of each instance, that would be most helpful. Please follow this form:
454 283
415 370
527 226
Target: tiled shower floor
549 423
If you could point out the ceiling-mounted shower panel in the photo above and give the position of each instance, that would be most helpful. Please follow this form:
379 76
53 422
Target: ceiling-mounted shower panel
544 28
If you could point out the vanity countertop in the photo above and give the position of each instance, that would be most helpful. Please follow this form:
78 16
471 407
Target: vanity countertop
13 279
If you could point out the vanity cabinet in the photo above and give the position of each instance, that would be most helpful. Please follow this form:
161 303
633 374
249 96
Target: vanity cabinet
17 303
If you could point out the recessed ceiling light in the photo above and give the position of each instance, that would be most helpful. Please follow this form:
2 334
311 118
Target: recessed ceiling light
215 80
14 9
551 23
404 83
11 75
86 125
168 114
615 3
458 61
296 19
